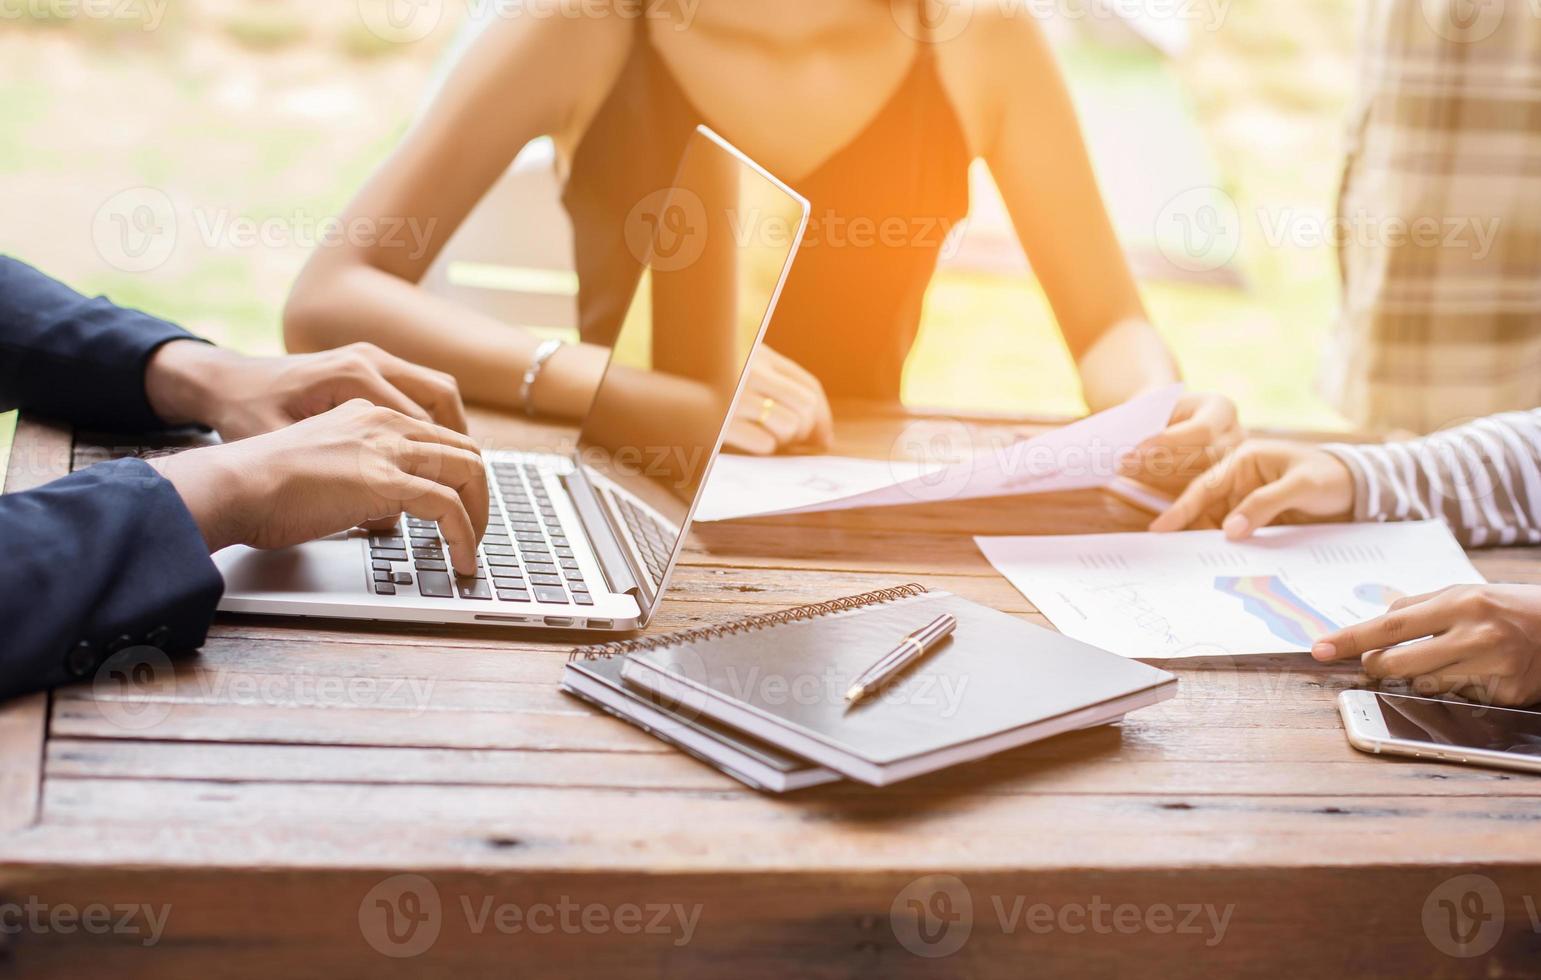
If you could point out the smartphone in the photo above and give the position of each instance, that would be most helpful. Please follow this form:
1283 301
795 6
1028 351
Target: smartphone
1451 731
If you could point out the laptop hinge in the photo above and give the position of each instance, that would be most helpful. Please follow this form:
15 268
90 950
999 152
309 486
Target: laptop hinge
613 559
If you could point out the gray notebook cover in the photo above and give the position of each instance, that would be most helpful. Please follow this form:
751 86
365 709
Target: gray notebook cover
995 681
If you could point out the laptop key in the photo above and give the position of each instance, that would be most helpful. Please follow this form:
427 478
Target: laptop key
583 599
386 541
384 588
573 575
429 565
507 583
513 595
476 588
382 576
435 585
387 554
550 595
499 549
503 561
403 578
382 566
569 563
545 579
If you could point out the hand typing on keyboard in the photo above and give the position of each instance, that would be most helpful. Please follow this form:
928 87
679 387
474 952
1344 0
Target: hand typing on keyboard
356 464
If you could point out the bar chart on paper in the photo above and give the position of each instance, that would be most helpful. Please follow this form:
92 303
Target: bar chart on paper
1196 594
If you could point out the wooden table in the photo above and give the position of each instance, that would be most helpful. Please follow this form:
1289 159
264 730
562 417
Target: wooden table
275 793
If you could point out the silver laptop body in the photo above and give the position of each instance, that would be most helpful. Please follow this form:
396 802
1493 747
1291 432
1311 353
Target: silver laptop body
589 539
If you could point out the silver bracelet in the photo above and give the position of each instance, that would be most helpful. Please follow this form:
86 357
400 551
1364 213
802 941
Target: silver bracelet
545 352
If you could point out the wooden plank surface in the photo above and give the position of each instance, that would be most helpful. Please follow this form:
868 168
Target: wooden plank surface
39 452
272 784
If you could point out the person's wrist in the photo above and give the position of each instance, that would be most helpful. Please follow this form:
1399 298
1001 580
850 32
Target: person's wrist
183 382
568 382
211 492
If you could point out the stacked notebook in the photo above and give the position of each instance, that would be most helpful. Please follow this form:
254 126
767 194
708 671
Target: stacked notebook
763 699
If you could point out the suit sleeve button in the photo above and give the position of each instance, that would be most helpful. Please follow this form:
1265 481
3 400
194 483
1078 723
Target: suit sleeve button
158 637
81 660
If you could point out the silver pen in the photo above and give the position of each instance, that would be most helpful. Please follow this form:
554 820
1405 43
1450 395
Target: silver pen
915 646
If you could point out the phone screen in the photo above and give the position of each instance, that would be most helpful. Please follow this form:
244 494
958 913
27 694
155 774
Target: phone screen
1470 726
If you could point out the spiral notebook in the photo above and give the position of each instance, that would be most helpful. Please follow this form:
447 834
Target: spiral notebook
995 684
597 680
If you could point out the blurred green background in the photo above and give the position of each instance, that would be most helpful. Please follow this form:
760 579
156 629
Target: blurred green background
276 110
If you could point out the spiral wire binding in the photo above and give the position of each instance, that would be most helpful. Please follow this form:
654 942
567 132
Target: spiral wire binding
619 648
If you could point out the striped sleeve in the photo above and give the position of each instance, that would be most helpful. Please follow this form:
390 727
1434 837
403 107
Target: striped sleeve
1483 479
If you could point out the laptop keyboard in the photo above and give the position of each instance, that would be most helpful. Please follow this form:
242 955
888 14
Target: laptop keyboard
654 541
526 558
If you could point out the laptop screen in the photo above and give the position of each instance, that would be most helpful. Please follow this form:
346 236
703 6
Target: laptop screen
715 248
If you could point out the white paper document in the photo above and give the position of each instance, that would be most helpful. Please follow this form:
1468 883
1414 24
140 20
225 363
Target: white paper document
1195 594
1078 456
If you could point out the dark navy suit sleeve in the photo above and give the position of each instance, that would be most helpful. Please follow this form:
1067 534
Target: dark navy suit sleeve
109 557
104 559
75 359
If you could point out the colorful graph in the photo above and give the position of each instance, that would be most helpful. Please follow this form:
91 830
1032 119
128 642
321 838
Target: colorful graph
1287 615
1376 594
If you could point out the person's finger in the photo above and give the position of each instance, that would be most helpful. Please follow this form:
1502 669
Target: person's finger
750 439
370 385
434 390
1413 600
424 431
1210 491
457 469
823 433
1414 659
781 407
795 397
1399 626
1263 506
430 501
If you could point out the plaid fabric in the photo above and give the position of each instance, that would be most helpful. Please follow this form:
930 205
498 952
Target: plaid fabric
1442 325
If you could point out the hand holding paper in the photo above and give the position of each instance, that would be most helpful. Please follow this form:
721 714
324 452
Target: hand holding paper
1083 455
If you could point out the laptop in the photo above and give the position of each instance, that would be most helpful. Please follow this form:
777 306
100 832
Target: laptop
587 539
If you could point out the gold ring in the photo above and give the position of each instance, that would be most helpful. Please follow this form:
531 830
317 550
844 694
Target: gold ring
766 408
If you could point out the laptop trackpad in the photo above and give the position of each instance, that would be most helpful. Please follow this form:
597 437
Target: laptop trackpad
332 565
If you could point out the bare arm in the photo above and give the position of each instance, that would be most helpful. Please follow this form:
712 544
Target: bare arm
525 78
1035 149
